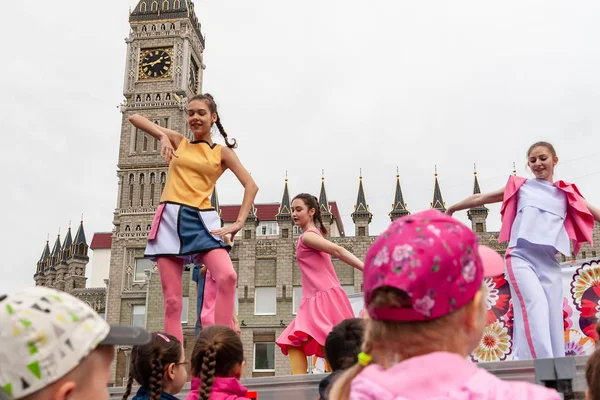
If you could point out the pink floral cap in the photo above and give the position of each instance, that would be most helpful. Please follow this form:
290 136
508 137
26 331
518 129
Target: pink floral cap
432 257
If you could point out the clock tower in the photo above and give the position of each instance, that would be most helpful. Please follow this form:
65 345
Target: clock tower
163 69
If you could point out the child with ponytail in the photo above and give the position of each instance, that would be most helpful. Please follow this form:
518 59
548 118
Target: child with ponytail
324 303
218 360
424 293
158 367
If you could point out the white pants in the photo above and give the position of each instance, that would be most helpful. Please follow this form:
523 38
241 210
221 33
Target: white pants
535 282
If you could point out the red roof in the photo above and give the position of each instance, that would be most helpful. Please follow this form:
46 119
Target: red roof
101 240
267 212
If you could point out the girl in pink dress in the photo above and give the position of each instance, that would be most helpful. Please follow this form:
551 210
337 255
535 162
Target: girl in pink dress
324 303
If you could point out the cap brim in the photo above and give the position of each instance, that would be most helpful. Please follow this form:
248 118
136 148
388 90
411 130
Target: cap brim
126 335
493 263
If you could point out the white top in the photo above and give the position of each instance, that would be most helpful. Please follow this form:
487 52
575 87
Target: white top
541 213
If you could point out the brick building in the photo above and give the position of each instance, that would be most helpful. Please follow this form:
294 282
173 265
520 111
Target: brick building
167 34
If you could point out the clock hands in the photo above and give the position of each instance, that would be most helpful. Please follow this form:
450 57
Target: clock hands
152 63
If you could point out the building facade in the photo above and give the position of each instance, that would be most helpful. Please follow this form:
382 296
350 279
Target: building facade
163 69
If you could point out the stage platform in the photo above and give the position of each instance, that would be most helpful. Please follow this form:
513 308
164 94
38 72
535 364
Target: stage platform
304 387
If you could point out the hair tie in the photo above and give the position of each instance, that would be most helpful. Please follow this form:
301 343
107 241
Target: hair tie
364 359
164 337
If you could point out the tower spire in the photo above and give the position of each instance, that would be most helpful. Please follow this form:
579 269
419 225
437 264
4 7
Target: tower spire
514 169
399 208
285 208
438 200
361 208
323 201
477 215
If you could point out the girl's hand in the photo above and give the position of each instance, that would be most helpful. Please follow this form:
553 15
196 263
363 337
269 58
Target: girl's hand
166 149
449 211
228 230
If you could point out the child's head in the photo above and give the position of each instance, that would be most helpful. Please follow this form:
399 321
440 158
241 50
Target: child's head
218 352
423 291
305 209
541 159
55 346
343 343
158 366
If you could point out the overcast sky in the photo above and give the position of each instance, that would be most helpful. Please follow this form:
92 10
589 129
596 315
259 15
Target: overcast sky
303 86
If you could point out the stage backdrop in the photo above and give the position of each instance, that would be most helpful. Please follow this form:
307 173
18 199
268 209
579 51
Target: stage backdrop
581 309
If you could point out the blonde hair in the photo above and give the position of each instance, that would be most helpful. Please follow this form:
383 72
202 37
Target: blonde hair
403 339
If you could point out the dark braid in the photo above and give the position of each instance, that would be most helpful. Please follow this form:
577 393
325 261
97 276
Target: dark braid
218 350
148 362
212 106
207 375
312 202
128 387
156 379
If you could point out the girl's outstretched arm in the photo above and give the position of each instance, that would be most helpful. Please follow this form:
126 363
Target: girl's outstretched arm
477 200
231 161
593 209
319 243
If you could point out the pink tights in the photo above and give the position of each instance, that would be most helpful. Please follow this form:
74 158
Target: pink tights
170 270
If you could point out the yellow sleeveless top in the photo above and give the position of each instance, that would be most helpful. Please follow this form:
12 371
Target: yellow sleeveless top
192 176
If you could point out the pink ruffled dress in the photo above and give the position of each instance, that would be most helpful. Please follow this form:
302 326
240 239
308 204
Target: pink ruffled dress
324 303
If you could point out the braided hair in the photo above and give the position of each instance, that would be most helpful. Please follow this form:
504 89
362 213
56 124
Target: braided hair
148 363
212 106
312 202
218 350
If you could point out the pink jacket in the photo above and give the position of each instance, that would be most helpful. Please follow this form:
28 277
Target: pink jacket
441 376
223 389
579 223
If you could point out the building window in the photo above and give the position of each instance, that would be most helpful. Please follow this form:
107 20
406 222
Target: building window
583 254
152 182
285 233
479 227
296 230
296 297
138 315
265 301
247 234
141 265
142 182
264 357
267 228
184 310
349 289
362 231
594 253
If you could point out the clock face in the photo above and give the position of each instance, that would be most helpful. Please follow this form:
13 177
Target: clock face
155 63
193 78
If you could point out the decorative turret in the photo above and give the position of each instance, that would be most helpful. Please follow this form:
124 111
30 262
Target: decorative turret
324 206
80 246
56 256
66 247
284 215
41 265
214 202
399 208
361 216
477 215
438 200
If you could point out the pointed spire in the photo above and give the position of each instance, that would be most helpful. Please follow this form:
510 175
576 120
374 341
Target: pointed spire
477 190
80 246
361 208
285 208
323 201
66 247
80 235
438 200
56 250
478 215
399 208
514 169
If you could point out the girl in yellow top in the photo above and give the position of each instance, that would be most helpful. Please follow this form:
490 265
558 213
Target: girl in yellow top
185 226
